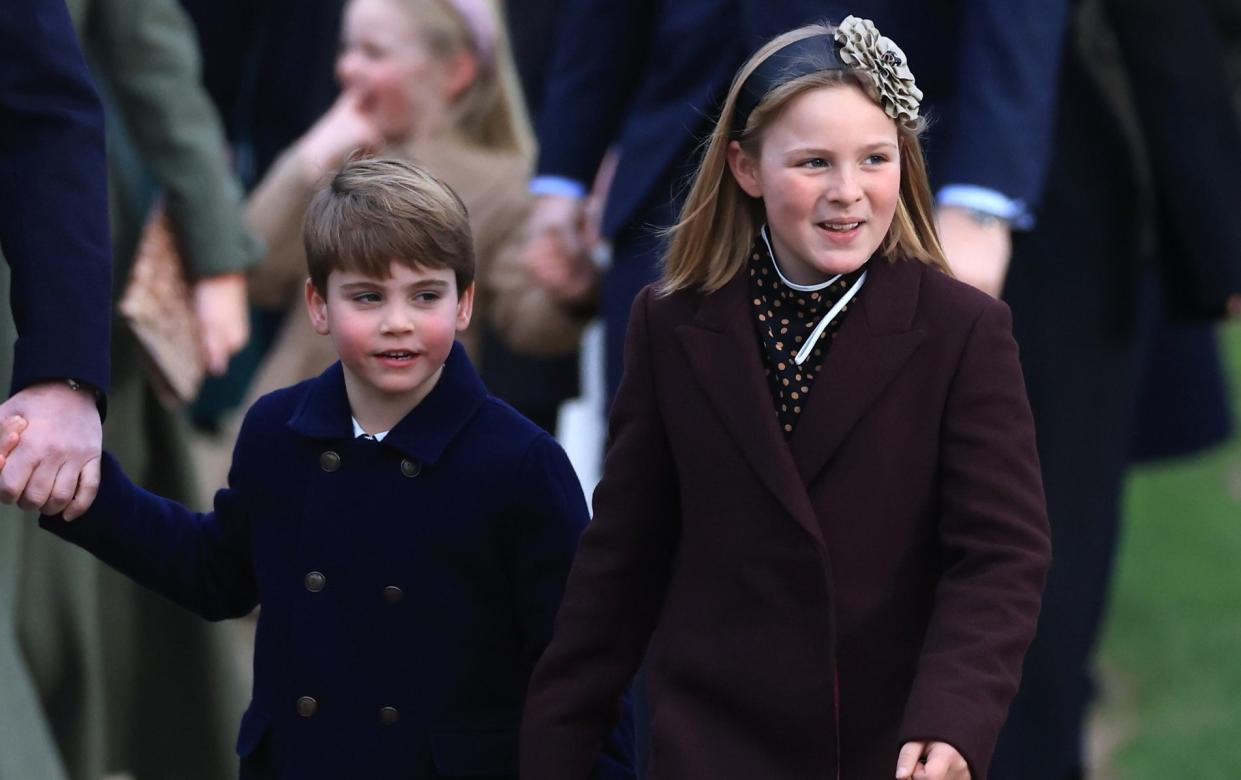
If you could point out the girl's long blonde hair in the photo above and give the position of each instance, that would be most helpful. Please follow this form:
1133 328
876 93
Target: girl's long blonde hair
491 113
719 221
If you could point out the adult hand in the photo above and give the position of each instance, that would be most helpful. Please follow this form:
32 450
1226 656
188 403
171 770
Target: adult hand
223 318
10 434
344 129
977 253
56 468
1234 306
567 276
931 761
555 251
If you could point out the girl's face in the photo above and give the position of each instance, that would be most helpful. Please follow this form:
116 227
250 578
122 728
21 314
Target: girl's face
829 173
383 58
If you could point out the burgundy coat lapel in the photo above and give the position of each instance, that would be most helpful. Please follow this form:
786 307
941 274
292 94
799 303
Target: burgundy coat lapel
723 352
872 345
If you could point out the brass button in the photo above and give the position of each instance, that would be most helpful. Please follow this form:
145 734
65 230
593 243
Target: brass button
393 594
315 581
307 706
410 468
329 461
388 715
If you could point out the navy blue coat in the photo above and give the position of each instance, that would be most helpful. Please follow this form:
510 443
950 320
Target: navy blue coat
53 198
408 586
649 75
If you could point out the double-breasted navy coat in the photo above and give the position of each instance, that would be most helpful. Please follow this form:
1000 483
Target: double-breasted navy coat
407 586
812 604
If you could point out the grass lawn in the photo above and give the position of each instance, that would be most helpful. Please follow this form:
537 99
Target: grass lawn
1172 649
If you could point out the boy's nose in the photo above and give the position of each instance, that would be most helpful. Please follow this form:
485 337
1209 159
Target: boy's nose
396 320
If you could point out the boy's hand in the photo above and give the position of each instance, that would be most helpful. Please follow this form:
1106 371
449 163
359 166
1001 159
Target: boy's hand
10 434
931 761
57 468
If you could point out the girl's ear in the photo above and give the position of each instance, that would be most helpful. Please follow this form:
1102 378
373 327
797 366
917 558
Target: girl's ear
460 72
316 307
745 170
465 307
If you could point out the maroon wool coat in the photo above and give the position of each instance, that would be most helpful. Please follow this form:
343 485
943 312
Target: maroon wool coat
809 605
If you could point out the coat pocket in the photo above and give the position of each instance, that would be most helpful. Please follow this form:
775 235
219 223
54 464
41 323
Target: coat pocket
254 726
475 754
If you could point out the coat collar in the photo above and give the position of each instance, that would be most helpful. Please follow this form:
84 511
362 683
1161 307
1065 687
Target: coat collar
423 434
870 348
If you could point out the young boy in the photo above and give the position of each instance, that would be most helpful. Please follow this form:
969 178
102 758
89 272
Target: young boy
407 535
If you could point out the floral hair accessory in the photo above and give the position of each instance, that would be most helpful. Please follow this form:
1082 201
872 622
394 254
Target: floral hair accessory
855 45
862 47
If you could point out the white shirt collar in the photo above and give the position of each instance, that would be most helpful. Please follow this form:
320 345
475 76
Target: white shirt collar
358 433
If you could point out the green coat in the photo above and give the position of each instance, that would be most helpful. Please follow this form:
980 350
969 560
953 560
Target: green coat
91 666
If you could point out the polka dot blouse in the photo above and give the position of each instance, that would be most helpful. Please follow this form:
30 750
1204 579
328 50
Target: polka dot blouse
784 318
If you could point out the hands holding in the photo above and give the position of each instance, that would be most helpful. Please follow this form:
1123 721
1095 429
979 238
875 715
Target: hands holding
223 318
977 253
931 761
556 251
56 469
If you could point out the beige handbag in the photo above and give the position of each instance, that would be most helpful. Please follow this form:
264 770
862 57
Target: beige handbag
160 312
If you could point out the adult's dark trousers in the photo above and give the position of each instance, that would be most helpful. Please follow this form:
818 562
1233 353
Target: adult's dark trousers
1083 333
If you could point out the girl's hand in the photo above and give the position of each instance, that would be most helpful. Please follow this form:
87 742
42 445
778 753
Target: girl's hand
10 434
344 129
223 318
931 761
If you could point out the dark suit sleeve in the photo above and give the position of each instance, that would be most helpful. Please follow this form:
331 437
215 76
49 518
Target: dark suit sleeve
617 584
53 198
597 64
999 126
202 561
996 549
1176 68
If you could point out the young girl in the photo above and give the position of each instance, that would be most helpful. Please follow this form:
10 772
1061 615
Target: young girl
430 81
821 504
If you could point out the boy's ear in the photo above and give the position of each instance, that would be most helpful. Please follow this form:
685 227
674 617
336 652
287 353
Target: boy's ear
465 307
745 170
316 307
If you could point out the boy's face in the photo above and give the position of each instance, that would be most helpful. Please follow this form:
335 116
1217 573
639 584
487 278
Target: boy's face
392 335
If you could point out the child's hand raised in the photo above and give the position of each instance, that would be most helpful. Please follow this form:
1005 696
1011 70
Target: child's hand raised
10 434
931 761
346 128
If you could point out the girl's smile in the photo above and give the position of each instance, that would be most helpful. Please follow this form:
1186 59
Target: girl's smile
828 171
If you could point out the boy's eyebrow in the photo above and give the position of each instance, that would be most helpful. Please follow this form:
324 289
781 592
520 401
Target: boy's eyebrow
366 284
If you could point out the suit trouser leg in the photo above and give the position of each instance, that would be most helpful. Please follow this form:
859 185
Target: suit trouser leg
27 746
1082 366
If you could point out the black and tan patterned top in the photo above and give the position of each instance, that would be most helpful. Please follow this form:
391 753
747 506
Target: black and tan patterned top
784 318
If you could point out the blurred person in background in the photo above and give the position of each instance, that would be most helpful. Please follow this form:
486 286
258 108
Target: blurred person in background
128 682
54 237
1138 230
431 81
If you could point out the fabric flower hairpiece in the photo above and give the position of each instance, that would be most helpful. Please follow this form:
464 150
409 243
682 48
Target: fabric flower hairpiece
862 47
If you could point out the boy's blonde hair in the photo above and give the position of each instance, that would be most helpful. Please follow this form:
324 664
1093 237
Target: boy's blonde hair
491 113
376 212
719 221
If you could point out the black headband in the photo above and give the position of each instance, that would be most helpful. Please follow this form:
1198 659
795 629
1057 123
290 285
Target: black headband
799 58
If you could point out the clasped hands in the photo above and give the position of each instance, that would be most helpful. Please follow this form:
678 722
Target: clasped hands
556 252
56 469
